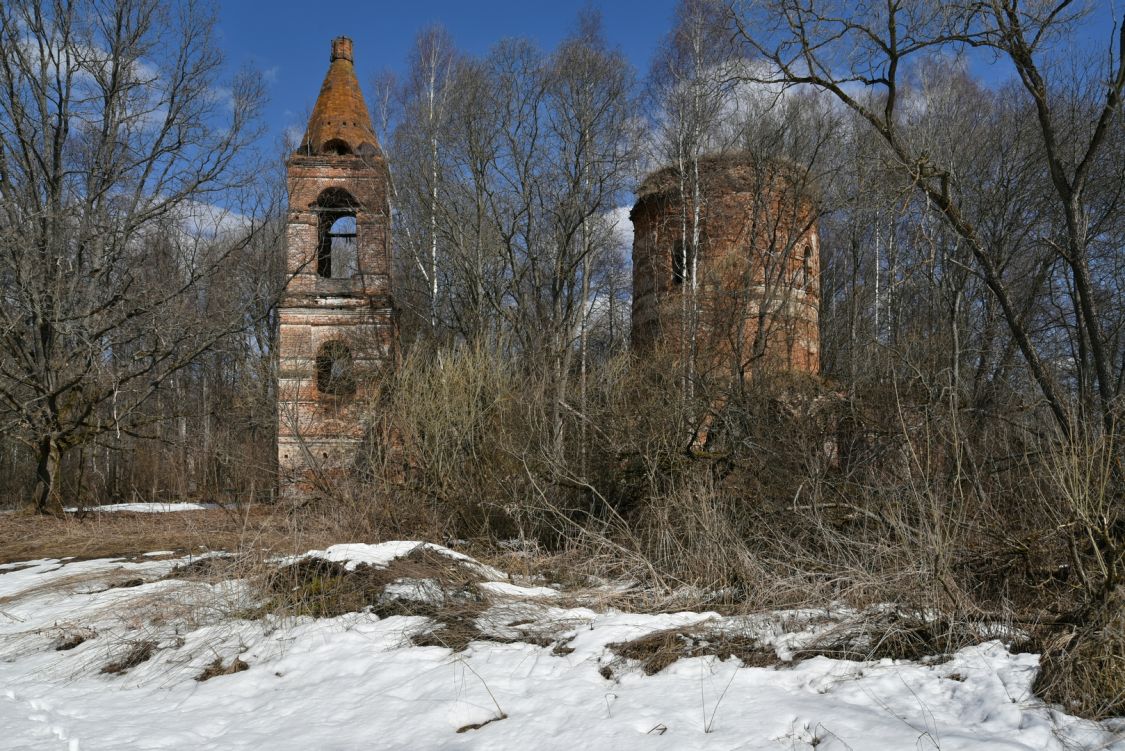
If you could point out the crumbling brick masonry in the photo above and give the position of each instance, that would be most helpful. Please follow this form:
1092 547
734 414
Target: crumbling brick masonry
336 316
735 285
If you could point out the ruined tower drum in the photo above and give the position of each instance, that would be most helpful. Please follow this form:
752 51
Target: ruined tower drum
726 267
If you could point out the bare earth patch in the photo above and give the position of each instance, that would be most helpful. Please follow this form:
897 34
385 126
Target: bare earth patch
25 537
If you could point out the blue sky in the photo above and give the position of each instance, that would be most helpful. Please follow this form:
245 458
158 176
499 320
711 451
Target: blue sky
289 40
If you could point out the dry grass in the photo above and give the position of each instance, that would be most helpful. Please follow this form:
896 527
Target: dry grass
72 638
138 652
424 583
124 535
115 578
323 589
656 651
455 628
479 725
1084 669
217 668
895 635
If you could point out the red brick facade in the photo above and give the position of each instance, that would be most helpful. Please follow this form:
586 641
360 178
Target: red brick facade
757 291
336 316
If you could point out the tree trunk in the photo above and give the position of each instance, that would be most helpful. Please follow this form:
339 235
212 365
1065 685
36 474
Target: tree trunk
46 496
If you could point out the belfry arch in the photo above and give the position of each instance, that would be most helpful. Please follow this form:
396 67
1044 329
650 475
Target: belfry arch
336 251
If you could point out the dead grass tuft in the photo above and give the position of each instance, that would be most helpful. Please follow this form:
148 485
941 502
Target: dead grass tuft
424 583
70 639
656 651
207 568
455 629
896 635
479 725
139 651
217 668
1084 670
323 589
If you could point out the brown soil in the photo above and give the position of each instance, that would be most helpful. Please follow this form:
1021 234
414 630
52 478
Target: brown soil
26 537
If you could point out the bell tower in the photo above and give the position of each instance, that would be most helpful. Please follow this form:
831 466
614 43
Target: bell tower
336 315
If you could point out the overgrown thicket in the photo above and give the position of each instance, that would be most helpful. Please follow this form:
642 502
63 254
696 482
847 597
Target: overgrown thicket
960 453
805 494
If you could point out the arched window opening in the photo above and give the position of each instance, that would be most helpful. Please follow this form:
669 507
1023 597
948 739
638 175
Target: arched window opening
335 198
336 246
804 275
336 257
681 262
337 146
335 369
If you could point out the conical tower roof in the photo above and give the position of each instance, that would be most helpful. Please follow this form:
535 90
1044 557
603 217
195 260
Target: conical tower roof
340 123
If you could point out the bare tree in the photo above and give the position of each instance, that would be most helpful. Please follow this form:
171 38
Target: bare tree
1015 195
592 142
420 140
533 154
124 197
901 295
864 59
691 85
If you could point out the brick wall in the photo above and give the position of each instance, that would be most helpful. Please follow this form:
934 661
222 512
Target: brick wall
758 294
320 424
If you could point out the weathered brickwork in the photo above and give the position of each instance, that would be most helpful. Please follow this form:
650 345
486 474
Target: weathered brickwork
757 291
336 318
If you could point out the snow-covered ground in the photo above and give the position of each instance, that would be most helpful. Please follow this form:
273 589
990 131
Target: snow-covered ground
358 682
147 508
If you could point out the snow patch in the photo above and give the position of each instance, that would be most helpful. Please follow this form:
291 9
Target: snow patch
381 554
146 508
356 681
505 589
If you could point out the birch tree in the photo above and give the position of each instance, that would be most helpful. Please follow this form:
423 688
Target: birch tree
691 87
421 141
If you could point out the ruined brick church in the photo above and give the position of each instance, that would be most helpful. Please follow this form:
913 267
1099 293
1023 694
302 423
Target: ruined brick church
744 240
336 316
744 237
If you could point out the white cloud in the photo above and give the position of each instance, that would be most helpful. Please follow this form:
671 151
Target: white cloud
621 226
223 95
200 220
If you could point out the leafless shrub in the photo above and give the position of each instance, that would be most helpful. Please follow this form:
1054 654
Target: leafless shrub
1083 669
